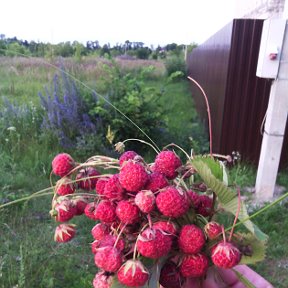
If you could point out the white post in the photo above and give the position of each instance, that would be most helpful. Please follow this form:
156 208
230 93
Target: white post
274 129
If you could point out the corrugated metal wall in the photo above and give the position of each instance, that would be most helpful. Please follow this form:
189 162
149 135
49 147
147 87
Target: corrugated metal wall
225 66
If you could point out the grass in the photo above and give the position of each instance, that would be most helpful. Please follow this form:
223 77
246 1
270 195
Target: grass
28 255
274 223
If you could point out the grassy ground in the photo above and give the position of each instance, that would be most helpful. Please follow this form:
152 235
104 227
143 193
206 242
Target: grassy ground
28 255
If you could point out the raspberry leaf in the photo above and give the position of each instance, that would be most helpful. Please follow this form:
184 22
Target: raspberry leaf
226 196
253 250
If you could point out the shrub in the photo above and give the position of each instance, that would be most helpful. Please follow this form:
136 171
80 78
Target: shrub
174 64
128 93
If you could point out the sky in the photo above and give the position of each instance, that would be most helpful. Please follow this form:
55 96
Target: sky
153 22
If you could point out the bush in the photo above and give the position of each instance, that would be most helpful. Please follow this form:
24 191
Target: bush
128 93
174 64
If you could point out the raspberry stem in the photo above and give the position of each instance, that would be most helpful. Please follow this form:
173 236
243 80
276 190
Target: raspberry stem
119 235
155 148
208 112
237 214
175 145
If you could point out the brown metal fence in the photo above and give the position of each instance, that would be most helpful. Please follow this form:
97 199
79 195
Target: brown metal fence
225 66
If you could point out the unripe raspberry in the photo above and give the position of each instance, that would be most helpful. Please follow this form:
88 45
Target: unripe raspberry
191 239
133 176
167 163
172 202
145 200
153 243
213 230
195 265
127 212
62 164
225 255
64 232
133 274
108 258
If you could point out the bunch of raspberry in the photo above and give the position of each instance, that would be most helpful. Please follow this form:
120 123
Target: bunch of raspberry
141 211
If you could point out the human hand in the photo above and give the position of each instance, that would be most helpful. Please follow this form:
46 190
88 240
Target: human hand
223 278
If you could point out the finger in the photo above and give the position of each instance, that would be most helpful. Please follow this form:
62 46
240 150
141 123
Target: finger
252 276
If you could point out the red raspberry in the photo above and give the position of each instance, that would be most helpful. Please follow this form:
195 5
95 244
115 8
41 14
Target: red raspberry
89 178
172 202
108 240
167 163
129 155
133 176
166 227
113 189
89 210
65 186
205 205
153 243
106 211
170 276
156 182
108 258
95 245
62 164
102 280
65 210
145 200
195 265
133 274
100 186
127 212
64 232
191 239
213 230
225 255
99 231
193 198
80 204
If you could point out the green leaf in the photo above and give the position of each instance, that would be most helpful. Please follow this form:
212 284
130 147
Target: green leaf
253 248
228 199
244 280
214 165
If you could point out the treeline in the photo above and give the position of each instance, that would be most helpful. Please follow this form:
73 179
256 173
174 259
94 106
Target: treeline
14 46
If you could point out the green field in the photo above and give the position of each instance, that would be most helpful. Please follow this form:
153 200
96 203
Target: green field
28 255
